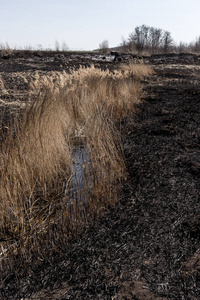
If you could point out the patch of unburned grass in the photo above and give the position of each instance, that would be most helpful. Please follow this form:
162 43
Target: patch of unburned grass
38 214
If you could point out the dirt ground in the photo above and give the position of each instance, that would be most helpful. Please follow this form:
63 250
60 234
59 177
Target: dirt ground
147 246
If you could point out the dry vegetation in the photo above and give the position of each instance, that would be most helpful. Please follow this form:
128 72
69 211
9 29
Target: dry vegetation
64 113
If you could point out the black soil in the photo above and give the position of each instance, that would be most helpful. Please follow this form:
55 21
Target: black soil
147 246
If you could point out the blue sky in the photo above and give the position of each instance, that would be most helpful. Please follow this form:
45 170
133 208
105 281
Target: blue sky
83 25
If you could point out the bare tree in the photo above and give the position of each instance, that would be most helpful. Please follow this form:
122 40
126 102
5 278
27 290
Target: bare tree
104 46
39 47
124 45
196 45
140 38
155 39
150 39
181 47
167 41
64 47
57 46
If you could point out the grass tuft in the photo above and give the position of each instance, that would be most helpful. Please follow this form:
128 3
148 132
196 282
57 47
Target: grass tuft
62 160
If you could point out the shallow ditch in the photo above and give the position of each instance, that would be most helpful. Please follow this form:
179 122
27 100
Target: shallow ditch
79 186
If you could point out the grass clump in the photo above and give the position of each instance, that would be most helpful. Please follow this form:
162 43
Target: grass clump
64 112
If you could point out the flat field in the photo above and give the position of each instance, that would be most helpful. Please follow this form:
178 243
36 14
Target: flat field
146 246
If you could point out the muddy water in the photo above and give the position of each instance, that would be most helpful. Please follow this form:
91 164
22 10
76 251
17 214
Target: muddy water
79 187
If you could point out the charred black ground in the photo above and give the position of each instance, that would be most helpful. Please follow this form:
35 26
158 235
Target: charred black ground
147 246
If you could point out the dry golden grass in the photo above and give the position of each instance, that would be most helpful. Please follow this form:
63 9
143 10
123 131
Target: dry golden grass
38 213
139 70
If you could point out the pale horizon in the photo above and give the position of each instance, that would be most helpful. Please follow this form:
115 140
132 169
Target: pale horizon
83 25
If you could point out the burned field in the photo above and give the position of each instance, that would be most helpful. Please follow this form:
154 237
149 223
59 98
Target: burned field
147 245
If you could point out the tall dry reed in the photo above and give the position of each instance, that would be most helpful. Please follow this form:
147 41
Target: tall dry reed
38 213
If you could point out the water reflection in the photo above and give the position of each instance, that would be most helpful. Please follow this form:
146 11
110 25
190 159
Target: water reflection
79 187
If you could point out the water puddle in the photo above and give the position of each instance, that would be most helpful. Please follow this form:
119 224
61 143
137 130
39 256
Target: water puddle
79 187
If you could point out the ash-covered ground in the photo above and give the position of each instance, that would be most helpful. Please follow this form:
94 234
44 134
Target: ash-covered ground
147 246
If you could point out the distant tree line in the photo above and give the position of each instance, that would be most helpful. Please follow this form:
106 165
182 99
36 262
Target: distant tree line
193 47
148 39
